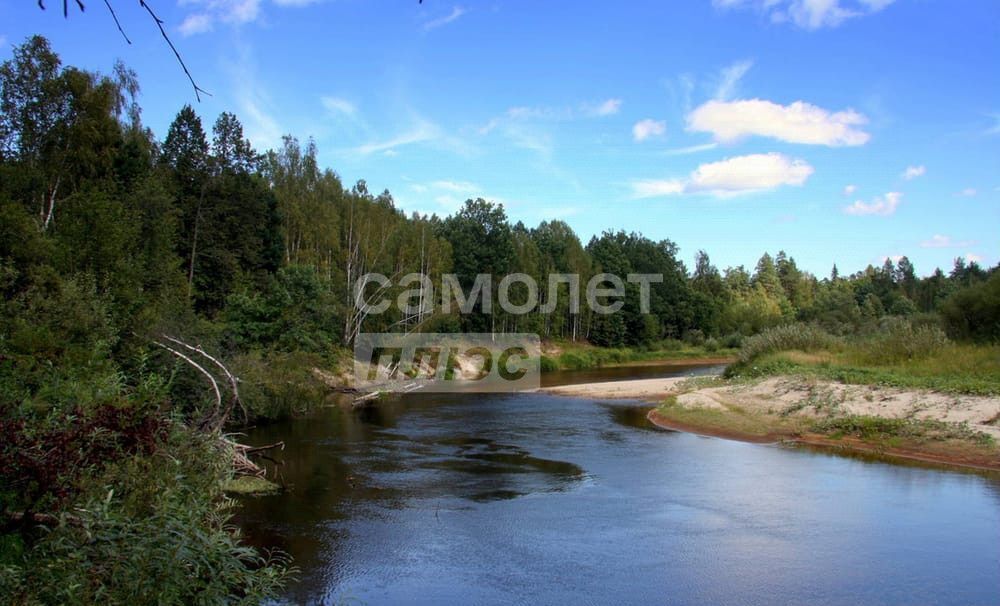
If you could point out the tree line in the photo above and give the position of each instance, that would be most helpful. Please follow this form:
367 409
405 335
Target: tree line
111 240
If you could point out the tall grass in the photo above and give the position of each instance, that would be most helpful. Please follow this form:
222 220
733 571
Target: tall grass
898 354
900 341
790 337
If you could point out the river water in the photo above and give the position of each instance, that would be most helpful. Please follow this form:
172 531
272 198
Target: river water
537 499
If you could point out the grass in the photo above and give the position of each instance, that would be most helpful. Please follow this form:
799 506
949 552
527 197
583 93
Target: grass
899 355
880 429
958 369
733 420
580 356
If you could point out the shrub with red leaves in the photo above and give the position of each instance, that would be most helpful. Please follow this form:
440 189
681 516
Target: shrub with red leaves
44 466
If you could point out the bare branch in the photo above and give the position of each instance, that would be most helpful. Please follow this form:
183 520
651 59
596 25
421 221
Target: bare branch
233 380
159 23
107 3
199 367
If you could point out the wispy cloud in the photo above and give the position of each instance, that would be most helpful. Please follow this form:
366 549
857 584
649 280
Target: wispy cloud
968 192
799 122
458 187
912 172
645 129
197 23
850 189
456 13
421 131
601 109
808 14
691 149
253 101
336 105
606 108
524 125
210 12
939 241
881 205
731 177
995 129
730 78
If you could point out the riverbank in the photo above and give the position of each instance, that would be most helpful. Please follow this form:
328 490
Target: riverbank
934 427
563 355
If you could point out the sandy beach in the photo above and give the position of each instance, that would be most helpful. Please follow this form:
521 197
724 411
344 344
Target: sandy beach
780 409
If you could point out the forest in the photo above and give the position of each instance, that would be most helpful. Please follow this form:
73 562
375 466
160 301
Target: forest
113 240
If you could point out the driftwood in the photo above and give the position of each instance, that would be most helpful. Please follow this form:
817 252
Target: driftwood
215 420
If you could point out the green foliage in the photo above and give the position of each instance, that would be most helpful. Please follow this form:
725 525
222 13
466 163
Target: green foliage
899 341
149 529
281 384
974 311
882 429
799 337
109 238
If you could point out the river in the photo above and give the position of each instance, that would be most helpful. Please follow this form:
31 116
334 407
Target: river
538 499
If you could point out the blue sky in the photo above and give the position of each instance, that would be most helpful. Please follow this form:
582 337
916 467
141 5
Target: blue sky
838 130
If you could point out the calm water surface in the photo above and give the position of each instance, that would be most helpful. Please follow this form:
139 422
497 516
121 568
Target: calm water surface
534 499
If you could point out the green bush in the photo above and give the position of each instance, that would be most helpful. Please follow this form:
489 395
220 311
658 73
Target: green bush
974 312
899 341
279 385
732 341
800 337
149 529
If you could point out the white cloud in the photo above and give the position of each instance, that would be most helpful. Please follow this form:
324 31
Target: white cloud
995 129
523 113
939 241
809 14
912 172
230 12
253 101
608 108
455 13
691 149
421 132
755 172
850 189
968 192
458 187
337 105
390 153
644 129
731 177
730 78
655 188
973 258
799 122
880 205
197 23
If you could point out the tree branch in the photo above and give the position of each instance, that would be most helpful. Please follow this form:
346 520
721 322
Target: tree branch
114 16
159 23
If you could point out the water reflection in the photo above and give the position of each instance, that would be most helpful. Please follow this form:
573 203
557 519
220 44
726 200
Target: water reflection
497 499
